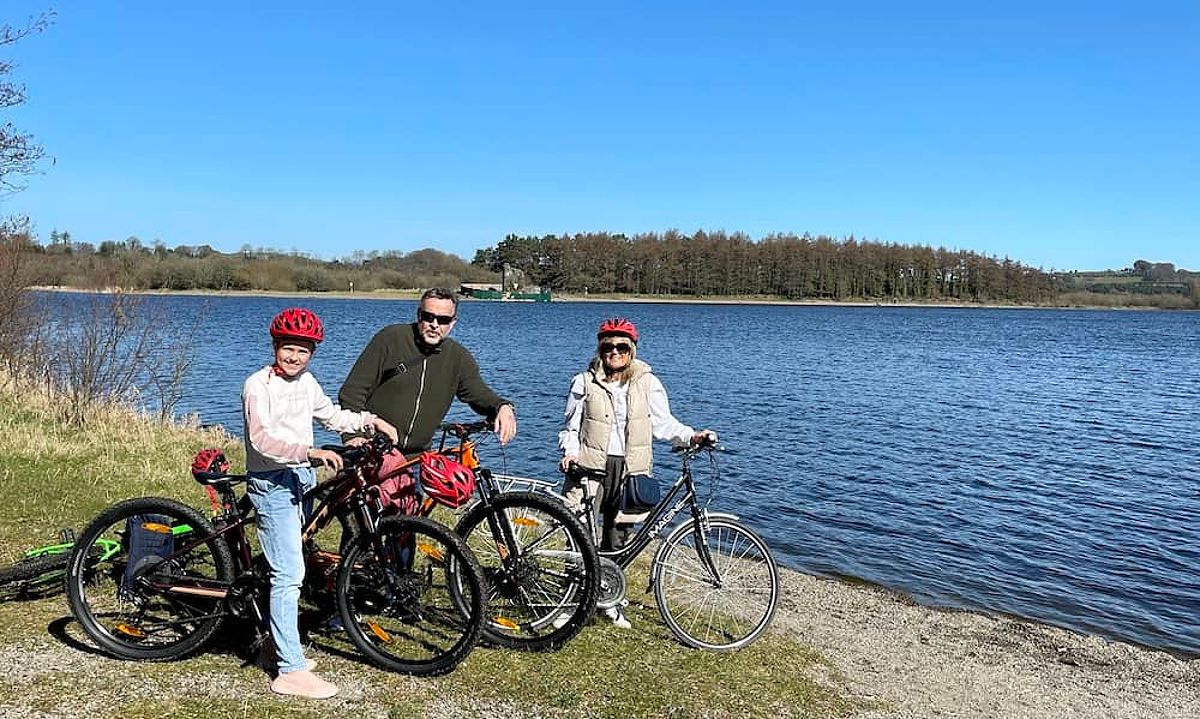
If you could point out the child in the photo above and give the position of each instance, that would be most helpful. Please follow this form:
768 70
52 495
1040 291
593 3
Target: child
279 404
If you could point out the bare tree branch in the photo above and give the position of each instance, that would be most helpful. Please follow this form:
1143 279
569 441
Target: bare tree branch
19 152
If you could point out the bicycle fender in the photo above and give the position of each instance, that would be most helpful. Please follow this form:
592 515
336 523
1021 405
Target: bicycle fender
656 564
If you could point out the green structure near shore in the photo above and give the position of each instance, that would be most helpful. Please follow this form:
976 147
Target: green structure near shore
481 291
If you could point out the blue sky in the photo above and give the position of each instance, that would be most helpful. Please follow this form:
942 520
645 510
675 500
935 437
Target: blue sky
1061 134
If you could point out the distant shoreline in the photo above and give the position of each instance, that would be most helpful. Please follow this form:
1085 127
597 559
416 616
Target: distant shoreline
410 295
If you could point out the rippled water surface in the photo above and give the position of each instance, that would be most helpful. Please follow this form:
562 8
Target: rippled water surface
1035 462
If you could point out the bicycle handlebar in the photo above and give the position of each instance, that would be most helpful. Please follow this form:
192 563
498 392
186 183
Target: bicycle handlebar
357 454
707 445
575 471
462 430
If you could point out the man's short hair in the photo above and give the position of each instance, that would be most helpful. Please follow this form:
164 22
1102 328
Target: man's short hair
439 293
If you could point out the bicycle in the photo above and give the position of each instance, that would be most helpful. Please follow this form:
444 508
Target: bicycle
392 586
40 571
539 560
715 581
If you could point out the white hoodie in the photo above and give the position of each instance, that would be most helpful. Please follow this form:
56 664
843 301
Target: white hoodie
279 414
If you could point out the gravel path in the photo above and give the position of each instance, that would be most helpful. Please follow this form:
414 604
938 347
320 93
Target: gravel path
921 662
900 659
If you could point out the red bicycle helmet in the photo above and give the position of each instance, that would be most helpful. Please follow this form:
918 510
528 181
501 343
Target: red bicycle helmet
297 323
617 326
445 480
209 461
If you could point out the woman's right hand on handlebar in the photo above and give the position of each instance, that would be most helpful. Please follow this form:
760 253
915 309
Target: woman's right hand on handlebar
565 463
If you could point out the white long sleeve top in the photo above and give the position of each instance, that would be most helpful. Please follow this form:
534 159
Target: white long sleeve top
279 414
662 423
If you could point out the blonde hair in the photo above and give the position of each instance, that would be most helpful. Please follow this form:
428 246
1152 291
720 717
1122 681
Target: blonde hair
624 375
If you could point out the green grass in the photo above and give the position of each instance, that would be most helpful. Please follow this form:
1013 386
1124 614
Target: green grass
53 476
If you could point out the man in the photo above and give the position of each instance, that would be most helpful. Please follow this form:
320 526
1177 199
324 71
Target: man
409 374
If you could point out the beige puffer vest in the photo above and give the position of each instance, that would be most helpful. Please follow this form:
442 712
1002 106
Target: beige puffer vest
597 422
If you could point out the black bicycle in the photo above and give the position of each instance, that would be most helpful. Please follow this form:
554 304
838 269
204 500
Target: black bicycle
408 590
539 560
715 581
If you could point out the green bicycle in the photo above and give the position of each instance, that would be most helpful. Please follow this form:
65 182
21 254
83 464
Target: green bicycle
39 572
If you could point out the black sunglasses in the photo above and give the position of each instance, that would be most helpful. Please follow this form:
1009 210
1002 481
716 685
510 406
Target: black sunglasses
431 318
620 347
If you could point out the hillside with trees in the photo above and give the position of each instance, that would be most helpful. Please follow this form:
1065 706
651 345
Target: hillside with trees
63 262
1143 279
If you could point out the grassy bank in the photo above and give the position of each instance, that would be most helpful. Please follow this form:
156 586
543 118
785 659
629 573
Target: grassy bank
53 476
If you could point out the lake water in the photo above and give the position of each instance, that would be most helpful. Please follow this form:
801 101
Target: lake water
1041 463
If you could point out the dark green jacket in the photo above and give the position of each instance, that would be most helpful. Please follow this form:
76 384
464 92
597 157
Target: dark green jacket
412 385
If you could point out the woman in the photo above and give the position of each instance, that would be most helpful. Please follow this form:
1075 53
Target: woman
615 408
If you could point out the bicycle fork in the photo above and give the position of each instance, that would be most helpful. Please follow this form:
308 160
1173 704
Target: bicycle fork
700 532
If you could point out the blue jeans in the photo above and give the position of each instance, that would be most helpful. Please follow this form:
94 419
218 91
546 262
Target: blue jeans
278 499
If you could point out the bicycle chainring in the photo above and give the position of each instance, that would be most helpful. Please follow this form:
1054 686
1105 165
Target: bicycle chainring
243 594
612 584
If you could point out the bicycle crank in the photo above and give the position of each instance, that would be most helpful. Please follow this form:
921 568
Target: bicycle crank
612 584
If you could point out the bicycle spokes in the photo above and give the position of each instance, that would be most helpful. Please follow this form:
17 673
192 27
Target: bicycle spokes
716 589
411 599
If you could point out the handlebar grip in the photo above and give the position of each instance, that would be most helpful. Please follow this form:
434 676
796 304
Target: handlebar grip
350 455
462 430
575 471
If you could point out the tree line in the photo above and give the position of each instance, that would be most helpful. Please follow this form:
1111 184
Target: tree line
779 265
671 264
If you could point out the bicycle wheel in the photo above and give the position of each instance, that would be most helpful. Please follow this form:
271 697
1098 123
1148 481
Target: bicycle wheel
542 586
41 570
722 611
157 599
394 596
32 574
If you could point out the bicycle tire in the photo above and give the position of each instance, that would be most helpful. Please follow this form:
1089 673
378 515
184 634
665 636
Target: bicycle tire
542 591
702 614
148 618
30 572
394 597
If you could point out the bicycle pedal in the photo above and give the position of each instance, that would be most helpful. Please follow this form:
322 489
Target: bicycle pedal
68 536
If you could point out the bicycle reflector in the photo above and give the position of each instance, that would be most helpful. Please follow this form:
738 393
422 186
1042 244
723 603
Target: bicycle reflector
429 550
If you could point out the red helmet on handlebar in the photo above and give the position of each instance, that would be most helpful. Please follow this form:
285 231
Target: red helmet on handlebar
445 480
209 461
617 326
297 323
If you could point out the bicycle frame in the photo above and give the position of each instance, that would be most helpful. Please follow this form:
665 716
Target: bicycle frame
660 517
233 514
110 549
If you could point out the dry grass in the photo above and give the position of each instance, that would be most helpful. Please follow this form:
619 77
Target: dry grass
53 476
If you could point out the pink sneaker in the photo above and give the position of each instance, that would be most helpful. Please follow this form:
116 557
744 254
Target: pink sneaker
303 684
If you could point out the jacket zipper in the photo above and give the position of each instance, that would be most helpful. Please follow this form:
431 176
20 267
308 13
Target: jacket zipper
417 408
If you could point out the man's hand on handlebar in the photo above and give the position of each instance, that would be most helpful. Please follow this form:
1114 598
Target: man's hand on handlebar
564 464
505 423
385 427
704 438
